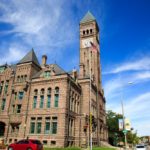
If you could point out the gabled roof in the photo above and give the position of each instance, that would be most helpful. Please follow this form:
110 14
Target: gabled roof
5 65
30 57
88 17
57 69
13 67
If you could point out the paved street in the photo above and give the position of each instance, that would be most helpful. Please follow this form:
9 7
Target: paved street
148 147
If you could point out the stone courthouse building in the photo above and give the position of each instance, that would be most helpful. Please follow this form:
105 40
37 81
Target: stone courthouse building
42 101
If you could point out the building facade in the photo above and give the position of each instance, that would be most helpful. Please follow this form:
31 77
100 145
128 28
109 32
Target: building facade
43 101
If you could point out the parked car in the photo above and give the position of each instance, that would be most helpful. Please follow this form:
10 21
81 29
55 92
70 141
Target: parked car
140 147
26 144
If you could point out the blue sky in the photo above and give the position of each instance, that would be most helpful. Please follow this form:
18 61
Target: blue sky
52 28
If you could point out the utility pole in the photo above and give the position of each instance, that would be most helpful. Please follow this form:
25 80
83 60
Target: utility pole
124 127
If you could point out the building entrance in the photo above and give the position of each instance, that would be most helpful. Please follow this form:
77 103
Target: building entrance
2 128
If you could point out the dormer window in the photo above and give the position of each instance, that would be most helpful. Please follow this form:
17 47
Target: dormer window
47 74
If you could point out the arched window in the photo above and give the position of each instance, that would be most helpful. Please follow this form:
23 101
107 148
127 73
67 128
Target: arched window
3 104
25 78
72 101
36 92
83 32
87 31
48 97
18 79
75 108
56 96
49 91
42 98
34 101
6 86
21 79
91 31
57 90
42 91
78 107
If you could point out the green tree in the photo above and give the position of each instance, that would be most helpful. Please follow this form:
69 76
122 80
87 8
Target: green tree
132 138
115 136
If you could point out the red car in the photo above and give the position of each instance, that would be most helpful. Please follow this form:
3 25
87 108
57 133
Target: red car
26 145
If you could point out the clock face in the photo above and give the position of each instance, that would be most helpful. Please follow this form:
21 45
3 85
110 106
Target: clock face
87 42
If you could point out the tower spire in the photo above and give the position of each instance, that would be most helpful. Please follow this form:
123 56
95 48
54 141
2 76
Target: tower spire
89 33
88 17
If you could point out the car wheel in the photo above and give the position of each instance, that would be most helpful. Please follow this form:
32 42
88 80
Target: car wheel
29 148
10 148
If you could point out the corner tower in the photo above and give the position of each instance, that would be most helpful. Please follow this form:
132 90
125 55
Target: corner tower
89 33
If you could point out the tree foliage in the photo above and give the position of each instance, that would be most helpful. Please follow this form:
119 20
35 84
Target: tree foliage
116 136
132 138
113 128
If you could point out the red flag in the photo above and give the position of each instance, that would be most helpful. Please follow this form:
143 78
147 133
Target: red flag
94 47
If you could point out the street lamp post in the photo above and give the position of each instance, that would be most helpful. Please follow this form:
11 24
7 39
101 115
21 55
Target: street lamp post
124 126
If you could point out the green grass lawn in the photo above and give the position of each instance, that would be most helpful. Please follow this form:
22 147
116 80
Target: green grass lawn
75 148
68 148
103 148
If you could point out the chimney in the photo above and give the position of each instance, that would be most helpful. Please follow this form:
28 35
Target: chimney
44 59
74 74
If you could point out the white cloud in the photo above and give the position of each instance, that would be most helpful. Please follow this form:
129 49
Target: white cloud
132 65
39 22
136 105
47 26
137 109
137 96
114 86
15 52
143 75
142 127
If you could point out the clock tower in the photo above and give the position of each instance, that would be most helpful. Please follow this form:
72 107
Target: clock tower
92 100
89 55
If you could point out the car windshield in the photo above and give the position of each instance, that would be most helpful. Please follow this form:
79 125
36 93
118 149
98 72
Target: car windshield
140 146
36 142
23 142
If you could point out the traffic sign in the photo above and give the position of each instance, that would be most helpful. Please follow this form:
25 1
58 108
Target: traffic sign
124 131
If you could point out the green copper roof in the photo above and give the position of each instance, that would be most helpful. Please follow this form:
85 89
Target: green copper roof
30 57
88 17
